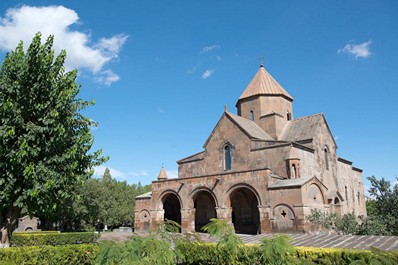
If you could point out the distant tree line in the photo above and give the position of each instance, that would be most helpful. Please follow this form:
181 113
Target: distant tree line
382 213
110 201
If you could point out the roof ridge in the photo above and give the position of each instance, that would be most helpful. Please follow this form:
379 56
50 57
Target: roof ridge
309 116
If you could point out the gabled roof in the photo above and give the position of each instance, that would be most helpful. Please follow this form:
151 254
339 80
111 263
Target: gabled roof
248 127
290 183
304 128
146 195
264 84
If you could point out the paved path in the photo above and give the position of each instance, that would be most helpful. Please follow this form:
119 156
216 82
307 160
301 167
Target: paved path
305 240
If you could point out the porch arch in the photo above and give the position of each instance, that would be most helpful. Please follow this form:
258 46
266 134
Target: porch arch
205 202
244 201
171 204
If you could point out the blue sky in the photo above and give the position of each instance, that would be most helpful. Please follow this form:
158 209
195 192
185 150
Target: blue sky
162 71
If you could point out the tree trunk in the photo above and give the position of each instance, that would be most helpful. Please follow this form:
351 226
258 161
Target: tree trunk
8 223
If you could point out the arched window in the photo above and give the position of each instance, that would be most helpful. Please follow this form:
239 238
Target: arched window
227 157
252 115
326 158
346 193
288 115
294 171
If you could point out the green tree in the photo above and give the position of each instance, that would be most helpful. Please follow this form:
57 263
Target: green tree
385 202
45 140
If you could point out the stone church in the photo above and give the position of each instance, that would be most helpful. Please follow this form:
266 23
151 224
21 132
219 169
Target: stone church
262 170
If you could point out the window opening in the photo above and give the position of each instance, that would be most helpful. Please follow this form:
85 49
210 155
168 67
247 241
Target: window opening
326 158
283 214
294 171
227 157
252 115
288 115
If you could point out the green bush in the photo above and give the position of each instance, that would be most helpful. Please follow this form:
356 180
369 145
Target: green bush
206 253
39 239
46 255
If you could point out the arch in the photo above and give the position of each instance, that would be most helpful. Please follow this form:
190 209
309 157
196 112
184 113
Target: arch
172 207
145 218
252 115
242 185
164 194
196 192
244 201
205 208
336 201
282 211
283 218
315 194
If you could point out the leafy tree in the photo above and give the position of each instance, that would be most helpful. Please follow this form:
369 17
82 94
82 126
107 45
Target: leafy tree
385 202
45 140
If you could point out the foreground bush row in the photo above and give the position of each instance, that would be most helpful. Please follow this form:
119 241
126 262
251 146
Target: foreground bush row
46 255
53 238
133 252
153 251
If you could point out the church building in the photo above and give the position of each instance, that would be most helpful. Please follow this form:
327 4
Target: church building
262 170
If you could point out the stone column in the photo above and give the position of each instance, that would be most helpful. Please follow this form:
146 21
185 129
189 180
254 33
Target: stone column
157 218
265 223
188 220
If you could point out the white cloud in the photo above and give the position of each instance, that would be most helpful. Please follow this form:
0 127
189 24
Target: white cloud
106 77
160 110
209 48
206 74
192 70
139 173
171 174
99 172
24 22
359 50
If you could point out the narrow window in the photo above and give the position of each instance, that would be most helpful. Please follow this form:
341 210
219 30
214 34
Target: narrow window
288 115
252 115
294 171
227 157
346 193
326 158
359 198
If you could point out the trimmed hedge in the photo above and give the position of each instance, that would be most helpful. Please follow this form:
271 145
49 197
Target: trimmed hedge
45 255
39 239
208 253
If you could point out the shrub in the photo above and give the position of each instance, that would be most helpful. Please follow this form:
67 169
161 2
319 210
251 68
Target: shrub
43 255
206 253
39 239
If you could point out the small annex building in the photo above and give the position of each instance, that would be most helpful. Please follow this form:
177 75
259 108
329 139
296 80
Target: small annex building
262 170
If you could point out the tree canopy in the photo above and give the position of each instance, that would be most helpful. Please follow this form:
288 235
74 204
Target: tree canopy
45 147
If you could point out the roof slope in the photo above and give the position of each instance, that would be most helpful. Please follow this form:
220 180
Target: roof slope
264 84
302 128
250 127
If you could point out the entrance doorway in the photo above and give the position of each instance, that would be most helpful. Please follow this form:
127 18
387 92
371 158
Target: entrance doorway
245 213
205 210
172 208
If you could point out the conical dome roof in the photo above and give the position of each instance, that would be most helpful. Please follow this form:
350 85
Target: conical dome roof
264 84
162 174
